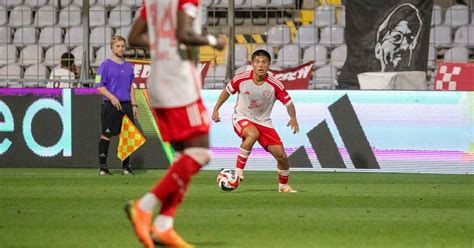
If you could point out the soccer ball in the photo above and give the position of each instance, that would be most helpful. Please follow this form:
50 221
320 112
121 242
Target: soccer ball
228 180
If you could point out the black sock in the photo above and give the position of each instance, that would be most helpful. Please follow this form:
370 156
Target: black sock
103 151
126 163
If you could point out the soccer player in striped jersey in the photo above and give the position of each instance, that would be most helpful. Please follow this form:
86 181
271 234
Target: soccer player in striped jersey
257 93
172 30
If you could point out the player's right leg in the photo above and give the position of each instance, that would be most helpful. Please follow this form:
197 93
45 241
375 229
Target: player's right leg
249 134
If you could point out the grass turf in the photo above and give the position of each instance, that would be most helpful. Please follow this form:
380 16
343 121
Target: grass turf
76 208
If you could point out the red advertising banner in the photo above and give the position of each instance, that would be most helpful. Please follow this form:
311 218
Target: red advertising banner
295 78
142 71
455 76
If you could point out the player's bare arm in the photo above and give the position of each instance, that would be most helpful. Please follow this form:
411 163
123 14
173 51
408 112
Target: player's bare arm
292 123
134 102
186 35
222 99
102 90
138 36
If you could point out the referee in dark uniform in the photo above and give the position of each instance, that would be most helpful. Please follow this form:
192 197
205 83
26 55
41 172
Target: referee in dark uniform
114 81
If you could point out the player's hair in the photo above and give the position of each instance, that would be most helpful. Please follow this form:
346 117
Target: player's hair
116 38
67 59
261 52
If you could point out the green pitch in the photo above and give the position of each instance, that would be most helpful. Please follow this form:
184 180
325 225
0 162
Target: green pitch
76 208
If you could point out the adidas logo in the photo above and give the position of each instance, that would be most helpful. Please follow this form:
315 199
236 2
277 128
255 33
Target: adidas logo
107 130
324 145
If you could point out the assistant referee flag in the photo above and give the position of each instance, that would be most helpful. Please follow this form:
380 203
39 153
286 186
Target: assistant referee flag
130 139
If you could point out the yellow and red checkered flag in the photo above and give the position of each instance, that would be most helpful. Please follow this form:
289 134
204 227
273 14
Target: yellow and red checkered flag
130 139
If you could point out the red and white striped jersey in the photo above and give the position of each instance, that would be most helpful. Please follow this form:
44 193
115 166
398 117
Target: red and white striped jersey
255 102
174 81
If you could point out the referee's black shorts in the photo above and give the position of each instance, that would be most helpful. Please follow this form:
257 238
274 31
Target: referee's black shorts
111 118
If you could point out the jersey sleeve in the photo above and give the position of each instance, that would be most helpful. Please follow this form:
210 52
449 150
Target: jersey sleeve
143 11
233 87
101 77
282 95
190 7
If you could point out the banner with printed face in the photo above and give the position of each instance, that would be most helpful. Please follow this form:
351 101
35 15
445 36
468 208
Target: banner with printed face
142 71
394 38
455 76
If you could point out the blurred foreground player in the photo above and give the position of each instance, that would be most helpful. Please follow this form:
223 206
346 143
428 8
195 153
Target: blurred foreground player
258 92
171 28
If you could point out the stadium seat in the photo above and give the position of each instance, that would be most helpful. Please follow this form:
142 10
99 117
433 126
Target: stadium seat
5 35
215 77
107 3
281 3
325 75
79 2
35 3
97 16
52 56
243 69
206 3
457 54
70 16
253 3
20 16
46 16
316 53
241 55
341 17
324 15
120 16
132 3
8 54
457 15
440 36
36 72
3 15
464 36
431 56
306 36
13 72
225 4
31 54
100 36
50 35
436 16
338 56
74 36
64 3
78 53
11 3
204 18
278 36
24 36
102 54
332 36
123 31
288 56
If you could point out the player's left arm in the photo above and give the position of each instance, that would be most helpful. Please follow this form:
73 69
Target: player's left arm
293 122
283 96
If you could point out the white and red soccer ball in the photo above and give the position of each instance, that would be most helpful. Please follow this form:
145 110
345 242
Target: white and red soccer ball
228 180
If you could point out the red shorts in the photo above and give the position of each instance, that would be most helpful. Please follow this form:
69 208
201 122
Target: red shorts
182 123
268 136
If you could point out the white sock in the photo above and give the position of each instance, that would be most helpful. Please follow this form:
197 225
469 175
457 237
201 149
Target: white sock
148 202
163 222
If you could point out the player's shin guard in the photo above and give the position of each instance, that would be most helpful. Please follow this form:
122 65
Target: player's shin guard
242 158
103 151
171 188
283 176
